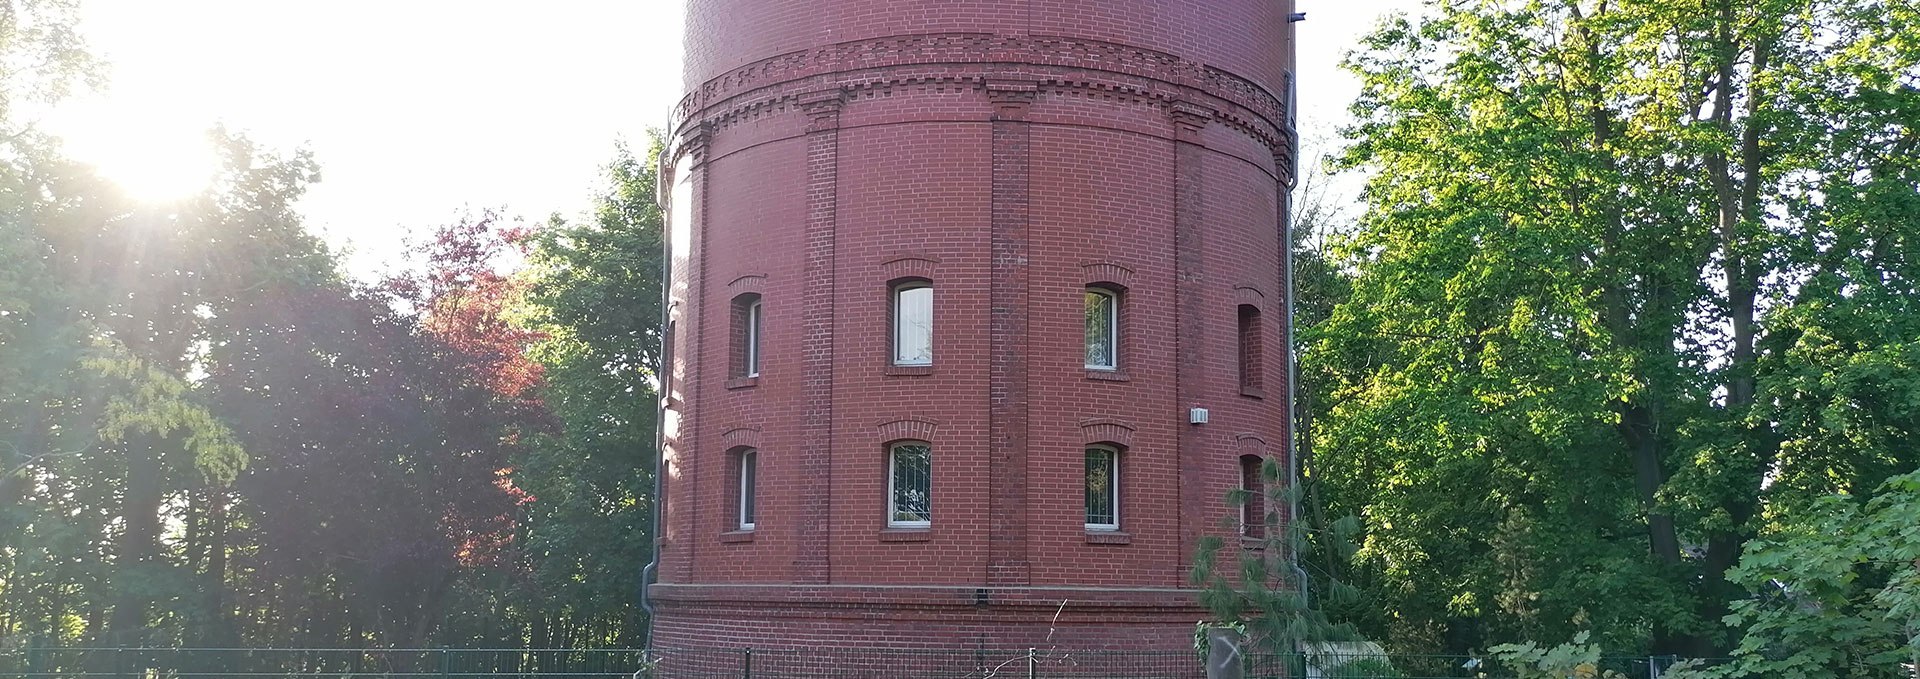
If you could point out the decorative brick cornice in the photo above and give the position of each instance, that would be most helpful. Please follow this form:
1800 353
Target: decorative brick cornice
863 67
1011 98
822 108
1188 119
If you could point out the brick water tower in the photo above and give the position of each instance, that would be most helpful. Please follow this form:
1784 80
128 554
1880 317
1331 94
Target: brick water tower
977 314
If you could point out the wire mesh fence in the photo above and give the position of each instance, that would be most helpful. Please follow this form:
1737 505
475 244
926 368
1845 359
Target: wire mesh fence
810 663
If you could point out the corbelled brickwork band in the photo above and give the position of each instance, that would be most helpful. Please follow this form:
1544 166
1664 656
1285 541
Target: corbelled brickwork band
1019 163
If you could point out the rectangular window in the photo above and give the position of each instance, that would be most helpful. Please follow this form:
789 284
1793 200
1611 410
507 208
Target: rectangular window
910 485
1103 329
748 472
1250 348
1103 489
1253 508
744 351
753 338
913 324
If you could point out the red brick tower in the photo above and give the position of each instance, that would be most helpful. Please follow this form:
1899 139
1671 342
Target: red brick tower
951 283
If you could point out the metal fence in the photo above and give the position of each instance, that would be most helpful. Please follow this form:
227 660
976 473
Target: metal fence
817 663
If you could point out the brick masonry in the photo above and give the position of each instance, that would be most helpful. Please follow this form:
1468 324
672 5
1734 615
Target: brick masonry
1013 153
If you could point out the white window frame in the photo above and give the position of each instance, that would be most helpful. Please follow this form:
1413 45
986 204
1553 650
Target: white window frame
1113 327
753 338
1113 487
899 322
893 475
749 471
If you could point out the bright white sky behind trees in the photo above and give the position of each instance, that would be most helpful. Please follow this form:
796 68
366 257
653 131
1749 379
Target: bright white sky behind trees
417 109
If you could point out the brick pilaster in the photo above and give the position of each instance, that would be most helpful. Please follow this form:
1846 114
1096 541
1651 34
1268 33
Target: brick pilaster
814 527
1190 325
1007 397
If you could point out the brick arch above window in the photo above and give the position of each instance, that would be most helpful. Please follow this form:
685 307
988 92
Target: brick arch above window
753 282
1106 430
912 428
741 437
1250 296
1106 273
1250 444
910 266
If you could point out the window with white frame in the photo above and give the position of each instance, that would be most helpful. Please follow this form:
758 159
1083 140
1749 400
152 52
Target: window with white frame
753 338
747 331
1103 488
913 323
1103 328
909 485
748 473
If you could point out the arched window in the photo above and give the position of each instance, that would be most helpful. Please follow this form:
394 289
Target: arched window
909 485
913 323
1103 488
1102 309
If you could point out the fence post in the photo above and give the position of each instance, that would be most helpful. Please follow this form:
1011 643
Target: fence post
446 663
746 664
33 656
120 663
1033 663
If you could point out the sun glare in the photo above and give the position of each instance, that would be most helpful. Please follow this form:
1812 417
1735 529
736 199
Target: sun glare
152 162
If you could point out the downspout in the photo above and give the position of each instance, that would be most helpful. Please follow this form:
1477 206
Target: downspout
663 375
1293 348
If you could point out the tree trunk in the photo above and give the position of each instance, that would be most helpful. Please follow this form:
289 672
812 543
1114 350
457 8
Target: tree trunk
139 544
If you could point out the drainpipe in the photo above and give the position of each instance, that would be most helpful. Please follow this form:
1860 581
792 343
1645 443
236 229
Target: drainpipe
1293 348
663 376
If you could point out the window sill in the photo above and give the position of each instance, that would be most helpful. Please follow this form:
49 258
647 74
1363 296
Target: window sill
1108 537
1115 375
743 382
1252 391
909 370
737 536
1252 543
906 535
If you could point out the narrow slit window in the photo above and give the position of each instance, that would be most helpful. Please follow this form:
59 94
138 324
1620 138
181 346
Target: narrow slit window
1103 488
909 485
749 473
1251 366
1103 329
747 332
1253 508
753 338
913 324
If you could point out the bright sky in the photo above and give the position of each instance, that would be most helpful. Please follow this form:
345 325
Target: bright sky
417 109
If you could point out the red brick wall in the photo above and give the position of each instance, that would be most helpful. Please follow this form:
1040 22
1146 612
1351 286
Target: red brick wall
1013 153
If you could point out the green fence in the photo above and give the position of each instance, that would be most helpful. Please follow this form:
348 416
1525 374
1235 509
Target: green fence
813 663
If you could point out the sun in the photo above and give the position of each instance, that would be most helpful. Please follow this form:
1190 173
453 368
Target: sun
153 159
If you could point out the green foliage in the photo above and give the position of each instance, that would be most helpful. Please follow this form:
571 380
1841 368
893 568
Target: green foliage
1634 279
1835 588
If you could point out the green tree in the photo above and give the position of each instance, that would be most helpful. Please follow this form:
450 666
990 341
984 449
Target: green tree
1836 589
594 292
1633 277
